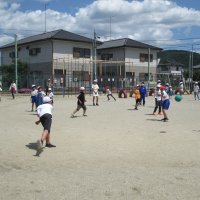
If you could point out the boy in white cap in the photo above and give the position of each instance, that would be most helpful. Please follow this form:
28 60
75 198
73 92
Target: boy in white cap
81 102
109 94
196 91
44 112
50 95
95 89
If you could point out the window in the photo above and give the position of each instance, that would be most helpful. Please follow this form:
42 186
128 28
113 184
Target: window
12 54
145 57
144 76
81 76
107 56
81 52
34 51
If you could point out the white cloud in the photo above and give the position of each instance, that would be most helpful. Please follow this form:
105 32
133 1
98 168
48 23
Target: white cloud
139 20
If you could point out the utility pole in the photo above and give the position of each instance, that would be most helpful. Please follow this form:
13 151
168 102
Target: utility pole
110 27
148 67
192 63
95 59
45 18
16 67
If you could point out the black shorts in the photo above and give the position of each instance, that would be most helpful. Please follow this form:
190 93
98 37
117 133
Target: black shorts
46 121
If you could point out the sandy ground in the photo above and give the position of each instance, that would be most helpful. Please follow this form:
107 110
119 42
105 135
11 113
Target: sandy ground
115 153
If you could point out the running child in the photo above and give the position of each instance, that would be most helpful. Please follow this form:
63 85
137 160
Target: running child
44 112
109 93
81 102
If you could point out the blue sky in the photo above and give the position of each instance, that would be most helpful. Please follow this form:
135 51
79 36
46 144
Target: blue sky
165 23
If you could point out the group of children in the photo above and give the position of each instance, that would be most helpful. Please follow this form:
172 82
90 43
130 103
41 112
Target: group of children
44 106
37 95
161 94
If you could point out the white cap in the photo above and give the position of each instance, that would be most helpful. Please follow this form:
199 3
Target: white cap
49 89
33 86
82 88
196 82
46 99
167 84
95 80
158 85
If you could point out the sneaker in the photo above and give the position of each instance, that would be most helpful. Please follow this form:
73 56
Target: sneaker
84 115
50 145
93 104
97 104
165 119
39 144
136 108
72 116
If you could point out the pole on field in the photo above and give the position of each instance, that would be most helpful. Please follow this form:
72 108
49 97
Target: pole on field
16 67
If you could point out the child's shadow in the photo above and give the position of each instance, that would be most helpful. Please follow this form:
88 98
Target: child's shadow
34 146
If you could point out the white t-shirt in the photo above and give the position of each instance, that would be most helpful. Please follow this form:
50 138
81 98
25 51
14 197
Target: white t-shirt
51 95
165 96
45 108
34 93
158 95
196 88
95 88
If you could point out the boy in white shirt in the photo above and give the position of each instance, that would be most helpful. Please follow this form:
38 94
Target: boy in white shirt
95 93
196 91
44 112
109 93
50 95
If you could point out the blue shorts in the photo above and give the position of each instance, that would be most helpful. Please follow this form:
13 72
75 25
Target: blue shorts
165 104
34 99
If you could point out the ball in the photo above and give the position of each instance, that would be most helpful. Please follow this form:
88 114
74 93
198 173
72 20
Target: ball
178 98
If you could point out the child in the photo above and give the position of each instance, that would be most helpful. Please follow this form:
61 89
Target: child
165 103
44 112
143 93
34 97
50 95
95 89
109 93
137 97
81 102
13 89
196 91
158 102
40 96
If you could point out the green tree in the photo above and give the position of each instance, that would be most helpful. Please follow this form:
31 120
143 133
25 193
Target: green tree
8 74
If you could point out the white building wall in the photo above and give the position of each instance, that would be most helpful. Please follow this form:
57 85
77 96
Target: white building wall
64 49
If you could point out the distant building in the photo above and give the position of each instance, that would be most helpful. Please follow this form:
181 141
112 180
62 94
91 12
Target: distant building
170 71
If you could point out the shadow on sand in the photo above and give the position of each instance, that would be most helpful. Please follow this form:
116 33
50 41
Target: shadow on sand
34 146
